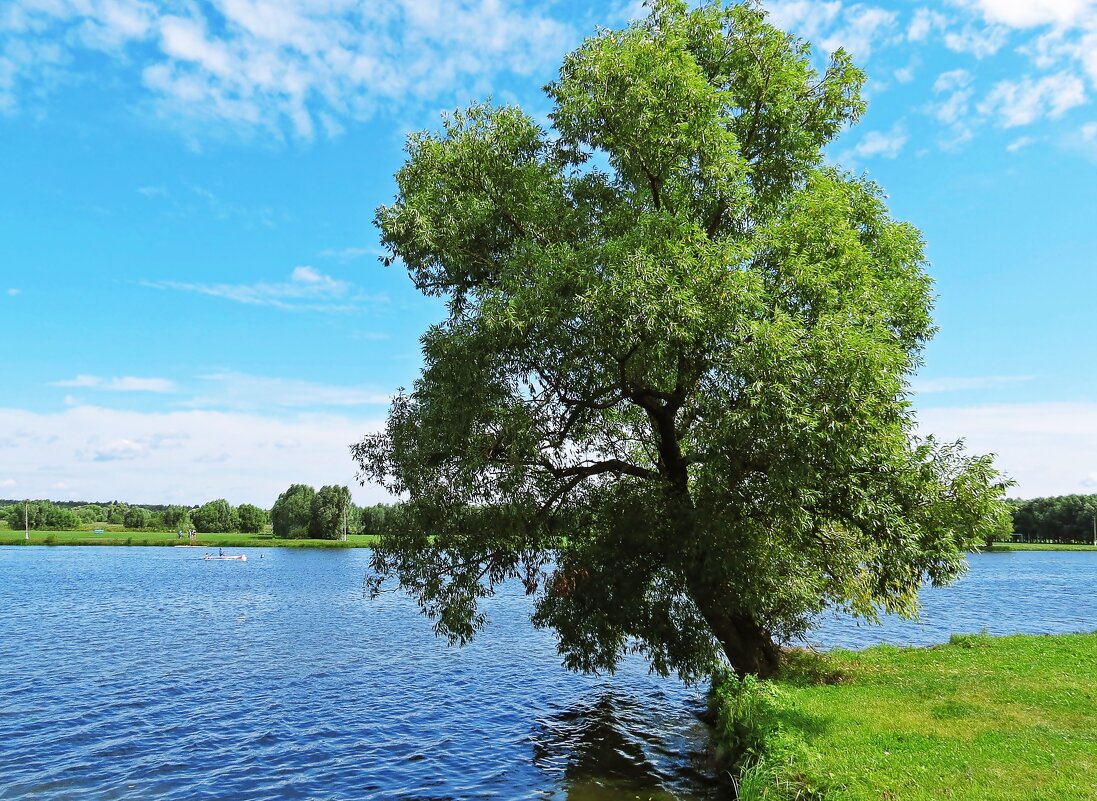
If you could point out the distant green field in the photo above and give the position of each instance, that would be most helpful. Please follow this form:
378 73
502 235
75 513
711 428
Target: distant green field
117 535
1038 546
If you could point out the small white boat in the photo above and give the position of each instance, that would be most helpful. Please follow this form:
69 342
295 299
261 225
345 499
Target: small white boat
237 558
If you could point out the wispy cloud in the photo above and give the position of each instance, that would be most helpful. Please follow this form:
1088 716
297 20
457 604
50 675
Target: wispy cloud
13 291
877 144
346 254
1019 143
961 383
306 290
241 391
123 384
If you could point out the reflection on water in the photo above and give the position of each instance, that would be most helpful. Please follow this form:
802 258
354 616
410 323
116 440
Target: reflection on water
611 747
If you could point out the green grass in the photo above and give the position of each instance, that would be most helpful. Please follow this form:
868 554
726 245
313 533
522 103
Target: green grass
981 719
117 535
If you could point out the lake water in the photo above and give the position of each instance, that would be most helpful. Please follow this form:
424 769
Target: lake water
140 673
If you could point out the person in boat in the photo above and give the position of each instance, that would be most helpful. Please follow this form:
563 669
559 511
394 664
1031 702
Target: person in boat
220 551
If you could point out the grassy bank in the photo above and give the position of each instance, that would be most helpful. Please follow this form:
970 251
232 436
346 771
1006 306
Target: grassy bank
165 538
982 718
1037 546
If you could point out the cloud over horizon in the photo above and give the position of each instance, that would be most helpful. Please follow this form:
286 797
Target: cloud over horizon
177 457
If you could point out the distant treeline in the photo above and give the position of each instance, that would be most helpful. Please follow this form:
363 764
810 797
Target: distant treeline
299 512
1062 518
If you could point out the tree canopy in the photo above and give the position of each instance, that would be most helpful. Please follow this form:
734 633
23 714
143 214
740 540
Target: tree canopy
330 508
292 511
671 390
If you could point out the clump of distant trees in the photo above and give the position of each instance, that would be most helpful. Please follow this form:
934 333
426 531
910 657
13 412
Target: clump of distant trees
1062 518
302 512
215 516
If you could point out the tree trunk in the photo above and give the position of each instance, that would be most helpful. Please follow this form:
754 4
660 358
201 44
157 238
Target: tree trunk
748 648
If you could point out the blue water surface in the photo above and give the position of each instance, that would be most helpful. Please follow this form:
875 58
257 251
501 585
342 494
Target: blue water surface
148 673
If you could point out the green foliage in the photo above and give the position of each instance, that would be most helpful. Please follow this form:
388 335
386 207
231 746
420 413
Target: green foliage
743 714
215 516
177 517
291 514
328 510
137 517
252 519
90 513
1063 518
671 393
115 513
41 515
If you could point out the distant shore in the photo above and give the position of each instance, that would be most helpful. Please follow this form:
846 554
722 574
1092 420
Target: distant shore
171 538
1001 547
116 535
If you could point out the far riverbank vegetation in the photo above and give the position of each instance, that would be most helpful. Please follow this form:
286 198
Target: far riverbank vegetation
305 516
301 516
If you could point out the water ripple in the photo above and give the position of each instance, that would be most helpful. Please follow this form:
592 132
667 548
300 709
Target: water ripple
141 673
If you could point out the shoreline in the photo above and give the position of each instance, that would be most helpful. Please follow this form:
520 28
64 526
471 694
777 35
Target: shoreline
169 539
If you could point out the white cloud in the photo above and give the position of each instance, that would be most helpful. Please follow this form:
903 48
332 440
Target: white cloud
953 108
863 29
306 290
178 457
924 22
1019 143
1022 102
293 66
12 292
878 144
1048 448
1032 13
809 18
123 384
980 42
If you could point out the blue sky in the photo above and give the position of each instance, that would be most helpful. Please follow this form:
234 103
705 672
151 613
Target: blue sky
191 303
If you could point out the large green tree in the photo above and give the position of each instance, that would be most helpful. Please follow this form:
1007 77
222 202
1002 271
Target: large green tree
292 512
215 516
252 519
330 508
671 391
